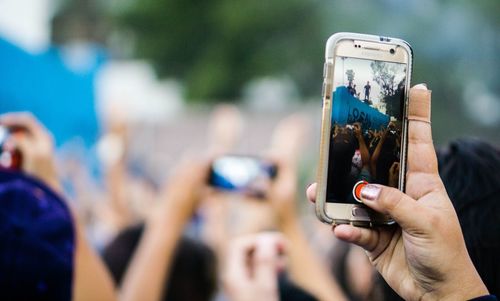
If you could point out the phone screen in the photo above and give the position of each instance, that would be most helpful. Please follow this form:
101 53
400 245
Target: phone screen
366 126
248 175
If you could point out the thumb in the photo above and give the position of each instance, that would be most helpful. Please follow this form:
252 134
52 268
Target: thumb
407 212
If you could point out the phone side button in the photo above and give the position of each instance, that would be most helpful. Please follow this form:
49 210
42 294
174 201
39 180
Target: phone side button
360 213
364 224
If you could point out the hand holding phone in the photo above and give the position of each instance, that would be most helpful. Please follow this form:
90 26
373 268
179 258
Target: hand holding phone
365 89
251 176
10 157
35 145
426 247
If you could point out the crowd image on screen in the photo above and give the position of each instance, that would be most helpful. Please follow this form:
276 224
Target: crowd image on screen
366 128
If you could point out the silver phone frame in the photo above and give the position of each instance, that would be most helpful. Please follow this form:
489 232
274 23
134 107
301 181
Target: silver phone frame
344 213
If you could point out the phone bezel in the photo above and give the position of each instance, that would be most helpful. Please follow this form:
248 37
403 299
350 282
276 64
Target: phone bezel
374 48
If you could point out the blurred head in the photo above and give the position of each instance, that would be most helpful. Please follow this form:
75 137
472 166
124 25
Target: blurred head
470 170
37 241
193 274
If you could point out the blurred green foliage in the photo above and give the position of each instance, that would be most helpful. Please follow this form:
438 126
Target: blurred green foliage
216 46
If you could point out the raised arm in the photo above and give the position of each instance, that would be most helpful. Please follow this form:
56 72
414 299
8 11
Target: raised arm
91 278
305 268
149 269
365 154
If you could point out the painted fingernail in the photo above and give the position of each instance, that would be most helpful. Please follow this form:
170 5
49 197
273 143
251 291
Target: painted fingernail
370 192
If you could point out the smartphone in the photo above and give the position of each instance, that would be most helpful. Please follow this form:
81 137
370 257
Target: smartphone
248 175
9 159
366 80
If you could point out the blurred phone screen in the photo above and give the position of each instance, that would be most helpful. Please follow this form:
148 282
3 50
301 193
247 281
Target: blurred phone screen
247 175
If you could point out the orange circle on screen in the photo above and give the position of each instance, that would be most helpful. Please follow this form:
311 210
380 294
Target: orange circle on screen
356 190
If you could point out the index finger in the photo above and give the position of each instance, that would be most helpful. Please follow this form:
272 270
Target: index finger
311 192
421 152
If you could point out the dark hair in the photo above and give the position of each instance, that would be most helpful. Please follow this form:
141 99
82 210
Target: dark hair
470 170
193 272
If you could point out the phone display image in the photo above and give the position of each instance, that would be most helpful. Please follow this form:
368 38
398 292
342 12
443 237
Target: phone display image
242 174
366 126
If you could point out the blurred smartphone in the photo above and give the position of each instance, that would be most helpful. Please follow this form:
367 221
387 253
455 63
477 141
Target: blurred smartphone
366 80
251 176
9 159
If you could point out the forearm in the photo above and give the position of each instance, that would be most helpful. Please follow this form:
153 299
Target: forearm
374 158
92 280
363 149
148 271
305 268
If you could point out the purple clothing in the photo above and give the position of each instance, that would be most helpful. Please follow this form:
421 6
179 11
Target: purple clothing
37 241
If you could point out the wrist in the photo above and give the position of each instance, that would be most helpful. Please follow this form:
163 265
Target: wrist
290 227
170 214
287 219
463 289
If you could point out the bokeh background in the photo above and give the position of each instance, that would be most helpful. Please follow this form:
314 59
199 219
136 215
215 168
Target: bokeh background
62 58
160 67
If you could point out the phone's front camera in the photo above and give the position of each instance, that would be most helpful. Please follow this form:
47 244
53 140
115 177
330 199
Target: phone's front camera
392 51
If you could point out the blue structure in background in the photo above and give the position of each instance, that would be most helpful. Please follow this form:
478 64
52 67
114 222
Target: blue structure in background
63 99
347 109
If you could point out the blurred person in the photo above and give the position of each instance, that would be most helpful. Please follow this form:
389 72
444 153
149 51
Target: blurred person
253 264
193 272
225 128
355 274
305 268
469 169
424 256
385 154
367 88
38 240
152 262
277 208
255 269
91 280
227 215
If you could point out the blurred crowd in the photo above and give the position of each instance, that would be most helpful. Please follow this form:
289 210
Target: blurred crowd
69 235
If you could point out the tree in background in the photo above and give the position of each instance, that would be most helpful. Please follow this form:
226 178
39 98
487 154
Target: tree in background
391 90
216 46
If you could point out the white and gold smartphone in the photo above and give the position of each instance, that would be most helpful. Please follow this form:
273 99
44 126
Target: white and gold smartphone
366 80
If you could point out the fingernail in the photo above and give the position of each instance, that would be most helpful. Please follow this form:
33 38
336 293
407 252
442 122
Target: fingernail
422 86
309 185
370 192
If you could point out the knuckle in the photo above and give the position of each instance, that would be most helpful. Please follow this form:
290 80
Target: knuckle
391 199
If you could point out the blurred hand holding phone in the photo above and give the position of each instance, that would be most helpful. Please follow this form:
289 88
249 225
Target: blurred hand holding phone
10 157
29 146
248 175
